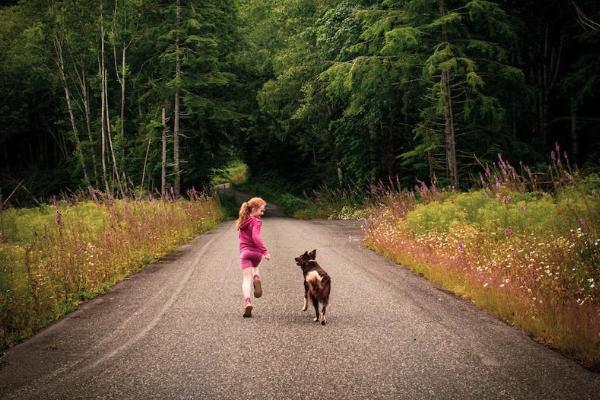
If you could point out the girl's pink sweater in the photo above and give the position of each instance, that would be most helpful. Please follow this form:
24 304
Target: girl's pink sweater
250 236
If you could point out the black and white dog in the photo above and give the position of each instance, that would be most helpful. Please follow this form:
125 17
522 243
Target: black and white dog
317 284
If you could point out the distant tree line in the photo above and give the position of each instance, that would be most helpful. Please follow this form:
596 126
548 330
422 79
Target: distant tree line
356 91
156 94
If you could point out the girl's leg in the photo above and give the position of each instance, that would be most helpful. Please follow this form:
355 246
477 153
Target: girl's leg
255 273
256 282
247 283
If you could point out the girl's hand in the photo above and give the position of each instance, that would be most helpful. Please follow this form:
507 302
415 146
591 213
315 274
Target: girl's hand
268 256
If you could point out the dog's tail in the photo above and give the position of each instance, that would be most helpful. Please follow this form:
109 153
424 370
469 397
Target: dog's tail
318 284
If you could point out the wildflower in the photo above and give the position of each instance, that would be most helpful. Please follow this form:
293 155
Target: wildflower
461 247
57 218
568 176
508 231
581 222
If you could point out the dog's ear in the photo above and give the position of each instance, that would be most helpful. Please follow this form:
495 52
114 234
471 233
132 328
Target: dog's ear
313 254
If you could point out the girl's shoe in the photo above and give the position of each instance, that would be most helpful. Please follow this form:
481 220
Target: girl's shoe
257 286
248 308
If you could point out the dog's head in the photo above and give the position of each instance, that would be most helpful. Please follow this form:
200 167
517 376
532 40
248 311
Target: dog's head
305 258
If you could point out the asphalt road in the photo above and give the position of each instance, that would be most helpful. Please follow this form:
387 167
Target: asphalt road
175 331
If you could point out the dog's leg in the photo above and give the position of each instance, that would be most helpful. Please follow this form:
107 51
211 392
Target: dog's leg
323 321
315 302
305 307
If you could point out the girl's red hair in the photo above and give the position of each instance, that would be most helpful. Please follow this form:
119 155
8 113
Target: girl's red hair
247 208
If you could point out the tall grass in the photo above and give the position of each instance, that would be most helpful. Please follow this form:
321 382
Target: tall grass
54 256
525 246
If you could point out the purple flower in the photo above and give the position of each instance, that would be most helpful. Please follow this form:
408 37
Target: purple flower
582 223
522 209
508 231
461 247
552 155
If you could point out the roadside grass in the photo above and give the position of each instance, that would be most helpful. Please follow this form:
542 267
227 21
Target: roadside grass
55 256
531 257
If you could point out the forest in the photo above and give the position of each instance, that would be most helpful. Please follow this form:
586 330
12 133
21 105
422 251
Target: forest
154 95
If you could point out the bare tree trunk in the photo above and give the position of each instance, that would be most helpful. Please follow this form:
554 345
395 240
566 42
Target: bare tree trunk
109 136
61 68
176 113
88 123
122 80
145 162
103 103
106 115
449 132
163 170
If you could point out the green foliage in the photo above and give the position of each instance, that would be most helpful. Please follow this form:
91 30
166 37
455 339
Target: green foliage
524 213
274 190
236 172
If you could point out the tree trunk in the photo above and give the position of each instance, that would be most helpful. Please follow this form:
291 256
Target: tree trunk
163 169
123 77
109 136
88 123
106 115
176 111
103 103
61 69
449 132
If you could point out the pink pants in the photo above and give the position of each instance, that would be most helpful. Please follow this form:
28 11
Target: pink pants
250 259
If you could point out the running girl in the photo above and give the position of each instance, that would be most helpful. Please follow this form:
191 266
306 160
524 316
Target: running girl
252 249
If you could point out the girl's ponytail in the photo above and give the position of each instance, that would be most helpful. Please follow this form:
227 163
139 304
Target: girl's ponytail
243 215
